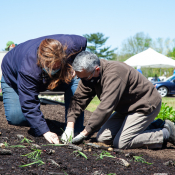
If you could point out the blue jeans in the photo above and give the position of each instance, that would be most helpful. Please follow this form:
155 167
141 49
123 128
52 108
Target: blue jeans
13 110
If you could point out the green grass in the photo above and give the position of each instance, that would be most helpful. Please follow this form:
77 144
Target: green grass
95 102
170 101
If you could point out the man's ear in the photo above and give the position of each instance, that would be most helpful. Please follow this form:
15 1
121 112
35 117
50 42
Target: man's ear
98 68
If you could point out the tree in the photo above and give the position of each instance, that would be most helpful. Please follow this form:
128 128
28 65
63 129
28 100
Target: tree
171 53
136 44
97 42
121 57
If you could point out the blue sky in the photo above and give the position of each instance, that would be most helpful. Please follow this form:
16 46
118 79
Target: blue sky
22 20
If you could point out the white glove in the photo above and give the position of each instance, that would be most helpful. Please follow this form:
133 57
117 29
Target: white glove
67 135
51 137
79 138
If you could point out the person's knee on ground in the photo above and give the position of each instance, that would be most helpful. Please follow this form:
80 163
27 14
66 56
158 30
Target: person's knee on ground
104 137
16 120
121 144
107 139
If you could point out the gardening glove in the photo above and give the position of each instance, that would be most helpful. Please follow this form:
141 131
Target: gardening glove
79 138
67 135
51 137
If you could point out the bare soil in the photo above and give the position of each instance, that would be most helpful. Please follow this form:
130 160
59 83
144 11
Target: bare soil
67 161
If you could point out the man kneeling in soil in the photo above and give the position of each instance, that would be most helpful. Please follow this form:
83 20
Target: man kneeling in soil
122 89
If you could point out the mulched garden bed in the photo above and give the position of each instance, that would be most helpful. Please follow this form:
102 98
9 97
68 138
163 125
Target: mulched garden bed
63 161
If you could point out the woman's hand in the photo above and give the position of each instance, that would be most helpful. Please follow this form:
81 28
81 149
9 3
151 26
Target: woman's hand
51 137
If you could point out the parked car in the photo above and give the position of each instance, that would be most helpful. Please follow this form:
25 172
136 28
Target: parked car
153 79
166 87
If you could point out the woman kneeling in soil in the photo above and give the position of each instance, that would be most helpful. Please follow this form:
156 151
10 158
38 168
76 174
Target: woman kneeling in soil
35 66
126 91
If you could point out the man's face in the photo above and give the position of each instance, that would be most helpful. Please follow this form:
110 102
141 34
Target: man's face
88 75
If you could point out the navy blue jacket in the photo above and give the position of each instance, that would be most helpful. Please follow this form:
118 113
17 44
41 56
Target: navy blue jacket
20 71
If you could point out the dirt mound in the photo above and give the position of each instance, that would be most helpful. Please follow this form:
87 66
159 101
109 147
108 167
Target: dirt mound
63 160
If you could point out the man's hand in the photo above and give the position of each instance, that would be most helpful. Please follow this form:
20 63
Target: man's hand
80 137
51 137
67 135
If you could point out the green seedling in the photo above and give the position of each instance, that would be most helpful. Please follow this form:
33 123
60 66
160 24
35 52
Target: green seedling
80 153
13 146
64 172
39 162
6 144
17 146
104 154
68 140
34 155
111 174
141 159
26 140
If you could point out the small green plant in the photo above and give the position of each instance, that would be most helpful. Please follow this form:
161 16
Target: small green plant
141 159
17 146
104 154
26 140
80 153
166 112
6 144
64 172
13 146
112 174
35 156
39 162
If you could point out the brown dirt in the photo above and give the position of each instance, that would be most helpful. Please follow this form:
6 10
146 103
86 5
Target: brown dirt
69 162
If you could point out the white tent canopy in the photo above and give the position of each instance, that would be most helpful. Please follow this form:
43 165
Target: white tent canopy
2 54
150 58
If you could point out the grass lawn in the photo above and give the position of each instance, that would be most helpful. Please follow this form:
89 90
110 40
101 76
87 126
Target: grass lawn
170 101
95 102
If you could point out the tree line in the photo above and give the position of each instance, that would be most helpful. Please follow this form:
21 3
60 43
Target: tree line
131 46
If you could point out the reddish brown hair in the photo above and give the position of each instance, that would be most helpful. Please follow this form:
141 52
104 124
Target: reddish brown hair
50 52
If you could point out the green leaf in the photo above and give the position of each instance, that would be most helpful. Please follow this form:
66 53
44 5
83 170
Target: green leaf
80 153
40 162
141 159
17 146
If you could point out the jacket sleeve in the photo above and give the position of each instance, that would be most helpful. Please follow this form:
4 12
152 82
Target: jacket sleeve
82 97
28 95
113 88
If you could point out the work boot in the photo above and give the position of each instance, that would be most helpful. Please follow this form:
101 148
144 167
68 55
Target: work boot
171 128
